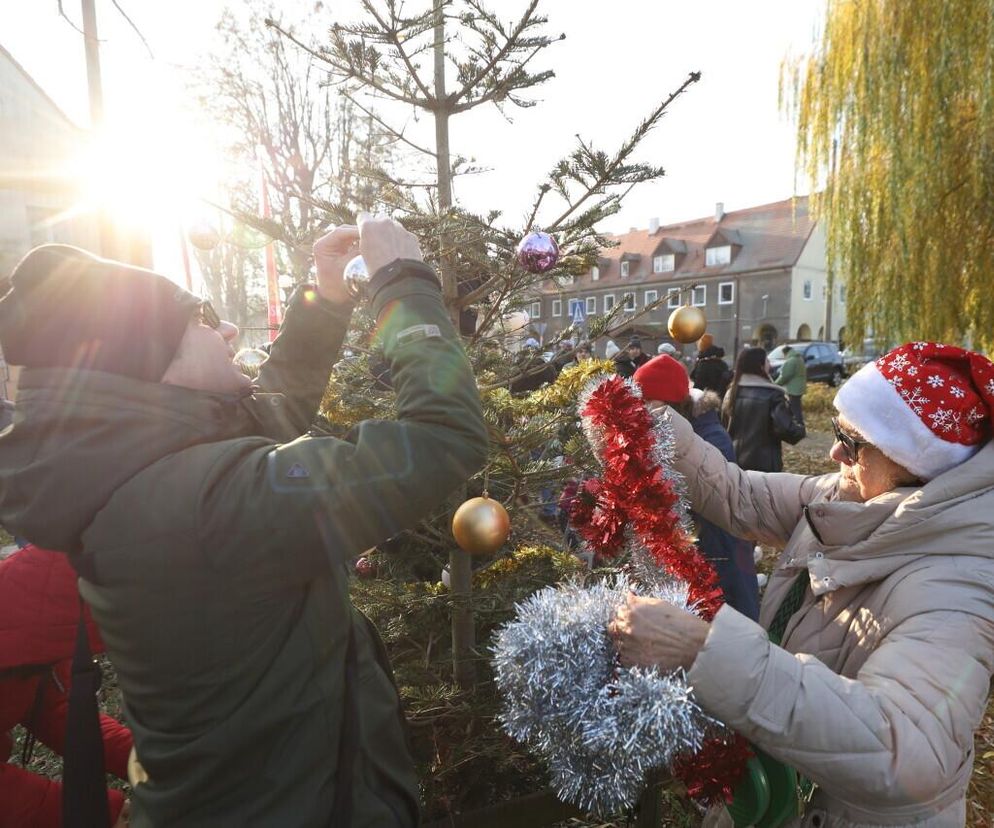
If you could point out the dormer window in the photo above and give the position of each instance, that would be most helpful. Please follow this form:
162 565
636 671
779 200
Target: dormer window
595 273
664 263
717 256
624 269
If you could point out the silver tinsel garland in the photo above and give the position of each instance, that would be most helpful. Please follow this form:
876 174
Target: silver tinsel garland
598 726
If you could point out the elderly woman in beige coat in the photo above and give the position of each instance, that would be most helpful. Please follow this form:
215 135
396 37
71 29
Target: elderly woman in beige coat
886 583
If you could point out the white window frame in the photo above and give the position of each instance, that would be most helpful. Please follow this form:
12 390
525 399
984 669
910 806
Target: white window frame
700 298
625 269
595 273
557 307
536 310
731 299
842 294
672 298
718 255
664 263
628 302
650 297
807 290
608 302
591 305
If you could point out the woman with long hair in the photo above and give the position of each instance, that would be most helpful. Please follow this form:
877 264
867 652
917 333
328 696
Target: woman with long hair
747 413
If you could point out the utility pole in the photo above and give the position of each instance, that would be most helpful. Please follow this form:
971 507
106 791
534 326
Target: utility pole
108 240
460 566
93 81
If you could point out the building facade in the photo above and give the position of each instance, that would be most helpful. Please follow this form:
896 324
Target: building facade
38 195
759 275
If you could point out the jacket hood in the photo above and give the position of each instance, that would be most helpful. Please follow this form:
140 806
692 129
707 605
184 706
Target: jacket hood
78 435
704 401
756 381
949 516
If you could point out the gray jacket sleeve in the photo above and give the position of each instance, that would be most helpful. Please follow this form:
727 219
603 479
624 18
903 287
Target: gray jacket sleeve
758 506
894 735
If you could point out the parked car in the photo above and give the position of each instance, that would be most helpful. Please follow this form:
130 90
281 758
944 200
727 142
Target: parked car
855 358
822 359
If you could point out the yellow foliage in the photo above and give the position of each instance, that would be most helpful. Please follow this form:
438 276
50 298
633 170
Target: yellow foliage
896 108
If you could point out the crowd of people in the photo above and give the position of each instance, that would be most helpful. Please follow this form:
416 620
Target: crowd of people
210 532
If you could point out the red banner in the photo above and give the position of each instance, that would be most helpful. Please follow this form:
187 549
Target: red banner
273 300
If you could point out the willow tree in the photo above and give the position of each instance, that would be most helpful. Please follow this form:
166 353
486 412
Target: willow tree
895 113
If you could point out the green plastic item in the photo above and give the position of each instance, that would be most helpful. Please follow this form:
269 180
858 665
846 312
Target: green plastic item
782 780
751 797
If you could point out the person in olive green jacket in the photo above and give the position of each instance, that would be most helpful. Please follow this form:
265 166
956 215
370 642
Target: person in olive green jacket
793 377
216 536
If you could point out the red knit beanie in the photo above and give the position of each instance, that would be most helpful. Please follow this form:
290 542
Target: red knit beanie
663 379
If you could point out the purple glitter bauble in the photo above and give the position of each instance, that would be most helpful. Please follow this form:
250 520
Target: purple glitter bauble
538 252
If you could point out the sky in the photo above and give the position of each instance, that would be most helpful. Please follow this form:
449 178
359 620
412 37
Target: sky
725 141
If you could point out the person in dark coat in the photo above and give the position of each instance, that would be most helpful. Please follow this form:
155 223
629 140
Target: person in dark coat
747 413
215 537
665 380
531 370
710 371
628 361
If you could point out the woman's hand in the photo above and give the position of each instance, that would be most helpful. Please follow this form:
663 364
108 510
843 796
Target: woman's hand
649 632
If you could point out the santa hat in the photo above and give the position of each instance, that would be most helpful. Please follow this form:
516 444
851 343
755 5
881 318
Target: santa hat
925 405
664 379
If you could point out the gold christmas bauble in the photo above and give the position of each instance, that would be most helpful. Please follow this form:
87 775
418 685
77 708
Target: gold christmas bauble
481 526
687 324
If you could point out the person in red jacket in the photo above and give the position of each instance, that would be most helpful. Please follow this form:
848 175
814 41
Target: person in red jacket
39 611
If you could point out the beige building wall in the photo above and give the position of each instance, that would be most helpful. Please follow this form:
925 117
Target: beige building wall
810 276
38 145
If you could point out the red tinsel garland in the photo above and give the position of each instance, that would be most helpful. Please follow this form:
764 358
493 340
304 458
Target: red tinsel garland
634 492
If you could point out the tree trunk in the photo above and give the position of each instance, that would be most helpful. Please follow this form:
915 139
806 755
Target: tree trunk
460 568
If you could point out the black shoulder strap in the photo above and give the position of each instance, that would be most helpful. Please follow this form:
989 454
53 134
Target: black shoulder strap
84 789
348 742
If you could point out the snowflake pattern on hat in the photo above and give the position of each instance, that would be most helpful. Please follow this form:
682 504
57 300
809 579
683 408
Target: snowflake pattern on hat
950 389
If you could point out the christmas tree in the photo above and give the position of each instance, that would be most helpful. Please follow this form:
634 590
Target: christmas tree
439 633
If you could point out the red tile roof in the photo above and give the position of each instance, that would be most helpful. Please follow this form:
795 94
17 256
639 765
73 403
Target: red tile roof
772 237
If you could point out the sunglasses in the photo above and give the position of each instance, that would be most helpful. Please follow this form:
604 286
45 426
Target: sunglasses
850 445
209 316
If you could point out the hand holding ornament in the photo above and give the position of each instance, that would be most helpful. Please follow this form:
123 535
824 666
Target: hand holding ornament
649 632
383 240
331 253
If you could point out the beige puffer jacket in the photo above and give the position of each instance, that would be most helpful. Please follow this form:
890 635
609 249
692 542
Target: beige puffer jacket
885 669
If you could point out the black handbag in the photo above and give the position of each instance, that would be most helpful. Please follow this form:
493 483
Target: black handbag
785 427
